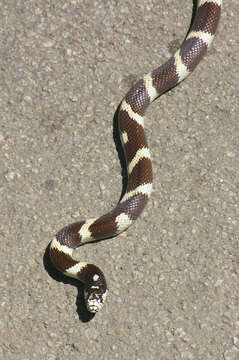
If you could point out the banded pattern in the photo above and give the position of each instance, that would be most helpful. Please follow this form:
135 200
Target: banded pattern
137 155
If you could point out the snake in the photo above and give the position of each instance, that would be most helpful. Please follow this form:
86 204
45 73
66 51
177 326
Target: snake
130 124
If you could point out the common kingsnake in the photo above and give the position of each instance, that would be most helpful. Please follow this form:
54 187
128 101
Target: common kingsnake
137 156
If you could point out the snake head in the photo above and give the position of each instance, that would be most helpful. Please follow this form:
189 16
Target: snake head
95 292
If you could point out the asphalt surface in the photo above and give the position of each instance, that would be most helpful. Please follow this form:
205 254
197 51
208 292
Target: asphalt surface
174 275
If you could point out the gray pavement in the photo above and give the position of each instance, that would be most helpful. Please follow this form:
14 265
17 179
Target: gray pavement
173 276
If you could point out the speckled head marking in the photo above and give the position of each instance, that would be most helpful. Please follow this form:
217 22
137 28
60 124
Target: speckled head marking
95 287
137 156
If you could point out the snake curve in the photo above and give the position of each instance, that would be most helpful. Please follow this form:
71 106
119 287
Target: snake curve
137 156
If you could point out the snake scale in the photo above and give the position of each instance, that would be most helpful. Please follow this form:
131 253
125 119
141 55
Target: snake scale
137 156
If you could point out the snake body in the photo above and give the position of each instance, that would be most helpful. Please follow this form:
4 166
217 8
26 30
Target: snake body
137 156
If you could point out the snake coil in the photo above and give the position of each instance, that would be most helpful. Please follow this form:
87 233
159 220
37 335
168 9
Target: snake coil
137 156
